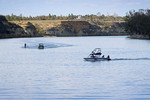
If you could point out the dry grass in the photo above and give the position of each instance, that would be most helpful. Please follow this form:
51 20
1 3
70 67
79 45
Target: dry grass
43 24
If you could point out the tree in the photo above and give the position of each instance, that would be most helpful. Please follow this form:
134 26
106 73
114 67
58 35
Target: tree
91 18
20 15
138 22
50 16
115 15
98 14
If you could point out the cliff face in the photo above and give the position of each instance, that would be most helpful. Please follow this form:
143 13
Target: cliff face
8 29
75 26
83 28
58 28
29 29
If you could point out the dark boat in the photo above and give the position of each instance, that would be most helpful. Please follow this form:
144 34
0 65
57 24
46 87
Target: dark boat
41 46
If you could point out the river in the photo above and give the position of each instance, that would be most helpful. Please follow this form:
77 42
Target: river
60 72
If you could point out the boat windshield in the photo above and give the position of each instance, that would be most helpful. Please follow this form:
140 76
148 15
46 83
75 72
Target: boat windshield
41 44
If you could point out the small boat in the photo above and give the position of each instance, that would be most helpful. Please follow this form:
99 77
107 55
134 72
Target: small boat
41 46
95 55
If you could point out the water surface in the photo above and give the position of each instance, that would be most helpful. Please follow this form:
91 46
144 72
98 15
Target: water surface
59 71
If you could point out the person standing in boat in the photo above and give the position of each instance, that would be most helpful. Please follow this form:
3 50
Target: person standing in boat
108 57
25 45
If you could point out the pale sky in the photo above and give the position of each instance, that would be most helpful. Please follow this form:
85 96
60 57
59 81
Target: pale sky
65 7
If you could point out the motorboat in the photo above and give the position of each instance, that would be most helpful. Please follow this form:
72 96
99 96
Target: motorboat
41 46
96 55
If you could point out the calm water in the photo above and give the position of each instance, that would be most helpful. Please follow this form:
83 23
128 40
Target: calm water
59 71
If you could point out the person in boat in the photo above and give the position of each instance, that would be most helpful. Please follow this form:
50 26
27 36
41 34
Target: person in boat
108 57
25 45
92 55
103 56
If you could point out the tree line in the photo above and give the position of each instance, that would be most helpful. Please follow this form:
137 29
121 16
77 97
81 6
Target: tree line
91 17
138 22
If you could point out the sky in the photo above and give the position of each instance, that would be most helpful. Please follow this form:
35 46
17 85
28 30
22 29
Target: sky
65 7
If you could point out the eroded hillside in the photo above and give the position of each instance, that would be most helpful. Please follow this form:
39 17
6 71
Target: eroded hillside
33 28
76 28
8 30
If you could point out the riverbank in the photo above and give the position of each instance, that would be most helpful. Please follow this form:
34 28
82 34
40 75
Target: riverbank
136 36
59 28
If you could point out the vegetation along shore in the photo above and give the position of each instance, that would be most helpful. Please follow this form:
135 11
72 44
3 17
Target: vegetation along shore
138 24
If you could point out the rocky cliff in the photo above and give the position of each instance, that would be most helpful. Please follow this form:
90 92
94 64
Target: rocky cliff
36 28
84 28
29 29
8 30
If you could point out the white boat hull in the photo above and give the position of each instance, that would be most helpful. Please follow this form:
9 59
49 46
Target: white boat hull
97 59
95 55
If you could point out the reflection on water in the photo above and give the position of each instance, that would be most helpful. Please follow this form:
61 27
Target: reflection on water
61 73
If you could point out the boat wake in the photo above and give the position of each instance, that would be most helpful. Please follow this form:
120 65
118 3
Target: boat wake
46 45
117 59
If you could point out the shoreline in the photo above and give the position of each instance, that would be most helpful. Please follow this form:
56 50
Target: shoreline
146 37
59 36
